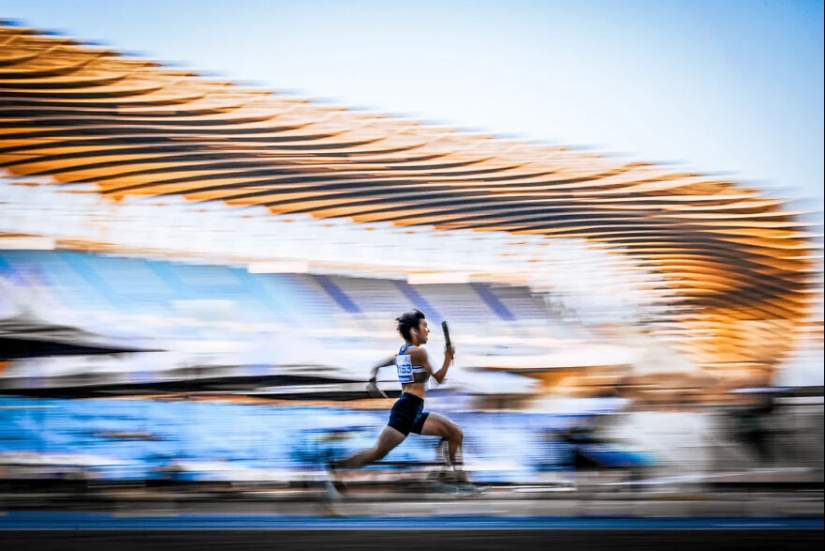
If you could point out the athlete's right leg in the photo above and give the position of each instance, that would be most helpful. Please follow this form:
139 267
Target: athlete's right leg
389 439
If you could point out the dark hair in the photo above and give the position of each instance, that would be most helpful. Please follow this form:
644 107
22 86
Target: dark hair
409 321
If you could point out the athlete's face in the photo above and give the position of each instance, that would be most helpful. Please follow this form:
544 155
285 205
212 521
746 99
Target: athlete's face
423 332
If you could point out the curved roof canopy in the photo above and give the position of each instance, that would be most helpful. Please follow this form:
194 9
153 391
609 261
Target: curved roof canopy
734 265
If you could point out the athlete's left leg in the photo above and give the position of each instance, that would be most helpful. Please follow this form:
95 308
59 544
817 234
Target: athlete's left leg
441 425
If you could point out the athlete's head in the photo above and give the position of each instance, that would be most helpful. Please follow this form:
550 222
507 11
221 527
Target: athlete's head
413 327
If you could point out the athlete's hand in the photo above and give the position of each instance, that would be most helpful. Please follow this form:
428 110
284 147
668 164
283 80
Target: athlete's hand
449 352
374 391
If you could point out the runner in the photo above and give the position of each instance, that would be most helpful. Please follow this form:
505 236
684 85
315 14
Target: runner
408 415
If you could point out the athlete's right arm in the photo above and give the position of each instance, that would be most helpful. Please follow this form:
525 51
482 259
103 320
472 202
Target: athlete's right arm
378 366
372 386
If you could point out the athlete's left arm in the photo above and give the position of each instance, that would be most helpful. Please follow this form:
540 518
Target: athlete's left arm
419 357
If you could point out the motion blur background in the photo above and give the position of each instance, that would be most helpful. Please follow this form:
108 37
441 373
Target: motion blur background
197 272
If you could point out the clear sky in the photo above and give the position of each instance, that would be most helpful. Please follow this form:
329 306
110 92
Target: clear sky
731 87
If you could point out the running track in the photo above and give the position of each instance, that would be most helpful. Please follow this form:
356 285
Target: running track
189 531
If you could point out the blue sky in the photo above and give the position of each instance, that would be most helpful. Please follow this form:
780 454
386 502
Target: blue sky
732 87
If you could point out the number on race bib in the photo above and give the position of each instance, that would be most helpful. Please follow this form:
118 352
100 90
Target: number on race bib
403 365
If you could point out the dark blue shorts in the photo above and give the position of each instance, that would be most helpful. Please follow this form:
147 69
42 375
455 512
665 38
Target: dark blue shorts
408 415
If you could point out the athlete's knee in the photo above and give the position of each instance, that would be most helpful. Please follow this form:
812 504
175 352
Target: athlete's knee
379 453
455 434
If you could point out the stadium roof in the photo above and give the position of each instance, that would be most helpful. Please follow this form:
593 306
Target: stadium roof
733 269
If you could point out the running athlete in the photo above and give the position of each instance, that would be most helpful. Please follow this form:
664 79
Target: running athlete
407 414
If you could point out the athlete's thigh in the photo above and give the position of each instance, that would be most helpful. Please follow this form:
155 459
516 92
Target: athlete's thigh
438 425
389 439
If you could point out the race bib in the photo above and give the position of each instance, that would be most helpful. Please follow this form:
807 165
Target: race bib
403 364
